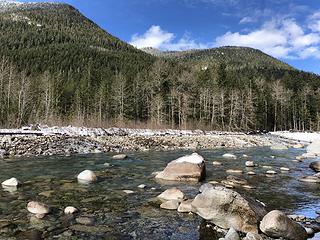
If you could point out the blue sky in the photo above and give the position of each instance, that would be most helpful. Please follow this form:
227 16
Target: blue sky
286 29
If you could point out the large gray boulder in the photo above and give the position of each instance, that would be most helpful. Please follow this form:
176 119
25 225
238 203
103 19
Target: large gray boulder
314 148
187 168
315 166
226 208
276 224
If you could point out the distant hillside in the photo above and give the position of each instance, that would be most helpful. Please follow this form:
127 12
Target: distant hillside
57 66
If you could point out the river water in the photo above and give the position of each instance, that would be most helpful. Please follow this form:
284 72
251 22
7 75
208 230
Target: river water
118 215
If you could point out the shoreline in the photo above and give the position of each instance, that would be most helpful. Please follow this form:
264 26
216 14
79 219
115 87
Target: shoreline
48 141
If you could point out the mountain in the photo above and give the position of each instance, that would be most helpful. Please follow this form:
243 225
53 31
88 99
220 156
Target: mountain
58 67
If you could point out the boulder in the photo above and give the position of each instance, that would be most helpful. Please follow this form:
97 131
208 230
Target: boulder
276 225
314 148
205 186
315 166
250 164
38 208
12 182
170 205
226 208
310 179
185 206
70 210
87 176
171 194
119 157
187 168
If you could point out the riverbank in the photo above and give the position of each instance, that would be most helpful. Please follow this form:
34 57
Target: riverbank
79 140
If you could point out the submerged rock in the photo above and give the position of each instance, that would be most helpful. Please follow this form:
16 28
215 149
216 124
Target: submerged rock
229 155
38 208
276 224
315 166
171 194
226 208
87 176
187 168
86 220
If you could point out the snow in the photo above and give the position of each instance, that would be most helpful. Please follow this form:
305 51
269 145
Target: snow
194 158
298 136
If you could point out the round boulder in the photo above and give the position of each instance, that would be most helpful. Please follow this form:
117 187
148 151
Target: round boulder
276 225
87 176
38 208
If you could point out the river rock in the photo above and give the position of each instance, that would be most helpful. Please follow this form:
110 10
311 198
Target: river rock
310 179
284 169
271 172
253 236
314 148
87 176
12 182
170 205
237 180
276 224
38 208
171 194
70 210
187 168
229 155
250 164
216 163
232 235
226 208
119 157
279 147
299 145
2 153
315 166
237 171
205 186
185 206
86 220
251 173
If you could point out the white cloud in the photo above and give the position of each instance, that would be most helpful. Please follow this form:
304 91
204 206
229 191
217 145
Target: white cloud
247 20
282 38
314 22
157 38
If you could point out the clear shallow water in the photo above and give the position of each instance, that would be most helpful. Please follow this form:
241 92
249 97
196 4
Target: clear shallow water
52 180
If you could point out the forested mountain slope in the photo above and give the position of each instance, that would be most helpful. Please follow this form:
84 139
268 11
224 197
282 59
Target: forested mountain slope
56 66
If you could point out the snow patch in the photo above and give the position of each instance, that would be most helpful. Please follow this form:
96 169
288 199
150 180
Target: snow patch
298 136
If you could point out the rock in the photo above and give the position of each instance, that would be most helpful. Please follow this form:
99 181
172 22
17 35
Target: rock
237 180
250 164
170 205
284 169
317 175
276 224
309 155
119 157
315 166
216 163
185 206
253 236
171 194
297 218
248 187
279 147
205 186
237 171
314 148
299 145
267 167
86 220
142 186
187 168
226 208
229 155
38 208
232 235
2 153
251 173
310 179
309 231
128 191
271 172
70 210
12 182
87 176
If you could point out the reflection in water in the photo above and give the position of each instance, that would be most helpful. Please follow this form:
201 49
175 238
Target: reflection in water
118 215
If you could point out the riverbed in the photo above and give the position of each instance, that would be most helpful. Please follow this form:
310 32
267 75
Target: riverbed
118 215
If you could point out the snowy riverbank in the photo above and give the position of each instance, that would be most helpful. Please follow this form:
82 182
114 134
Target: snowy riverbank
306 137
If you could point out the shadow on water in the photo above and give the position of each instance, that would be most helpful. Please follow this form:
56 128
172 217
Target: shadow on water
118 215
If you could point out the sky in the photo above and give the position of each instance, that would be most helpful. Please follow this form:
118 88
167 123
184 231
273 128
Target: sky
286 29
